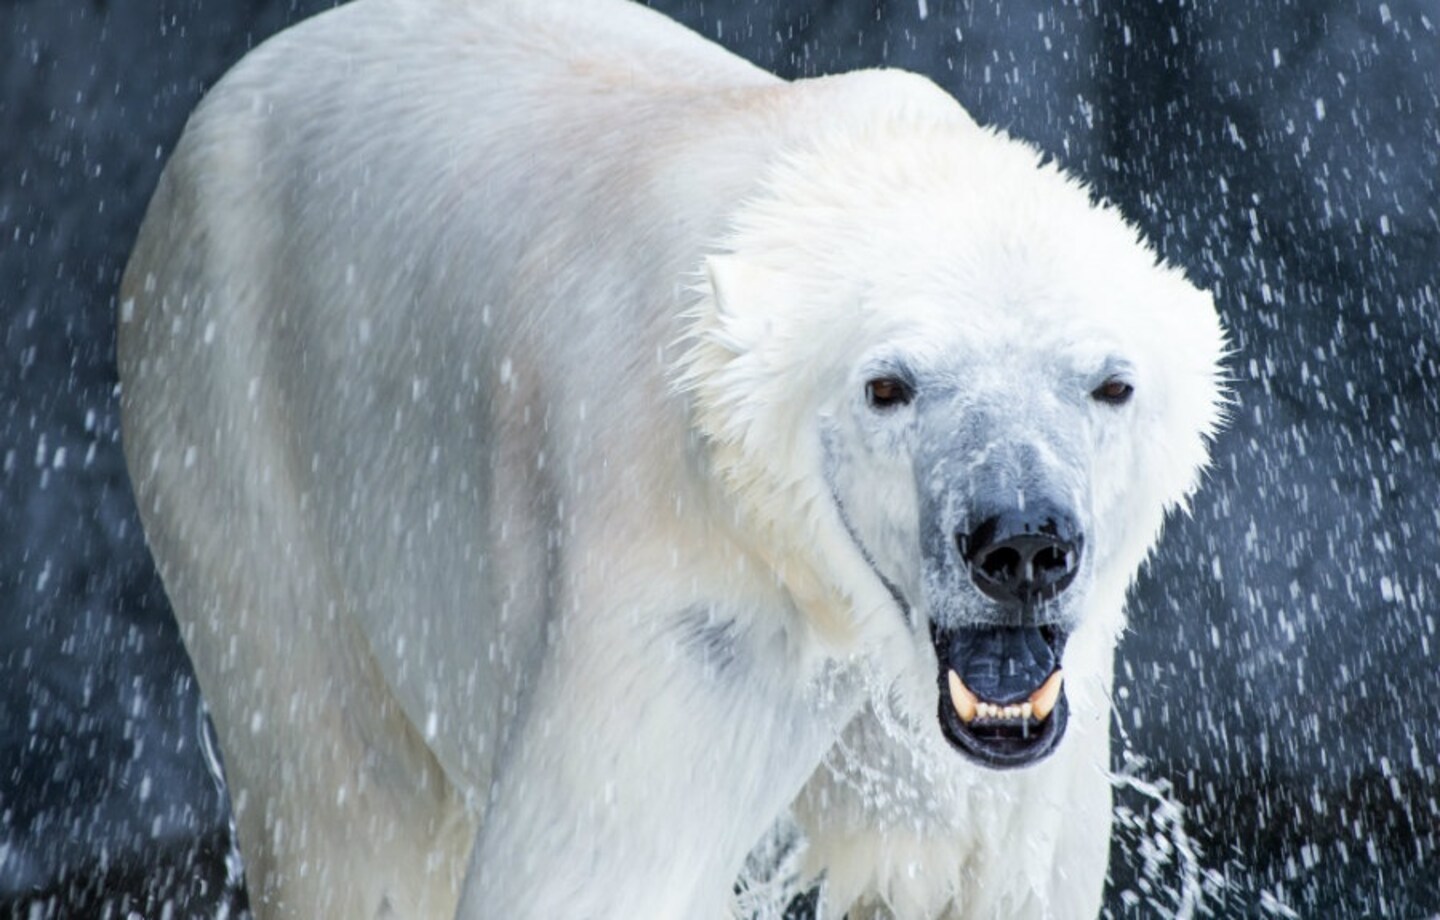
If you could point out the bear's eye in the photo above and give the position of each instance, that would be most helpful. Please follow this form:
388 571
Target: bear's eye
1114 392
887 393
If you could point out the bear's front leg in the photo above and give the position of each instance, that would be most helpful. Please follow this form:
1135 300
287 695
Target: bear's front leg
650 754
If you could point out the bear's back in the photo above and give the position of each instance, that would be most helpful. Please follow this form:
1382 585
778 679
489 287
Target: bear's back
429 259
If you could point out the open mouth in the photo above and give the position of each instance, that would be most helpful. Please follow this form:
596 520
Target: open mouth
1002 692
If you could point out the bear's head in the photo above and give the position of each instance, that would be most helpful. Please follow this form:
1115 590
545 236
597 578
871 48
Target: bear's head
954 399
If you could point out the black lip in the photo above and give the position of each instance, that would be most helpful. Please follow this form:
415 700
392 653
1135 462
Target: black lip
999 748
1004 753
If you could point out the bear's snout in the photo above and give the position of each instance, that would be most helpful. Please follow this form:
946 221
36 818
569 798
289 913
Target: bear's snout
1023 556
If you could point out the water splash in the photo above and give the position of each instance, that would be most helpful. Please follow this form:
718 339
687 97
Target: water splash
1171 880
210 752
770 880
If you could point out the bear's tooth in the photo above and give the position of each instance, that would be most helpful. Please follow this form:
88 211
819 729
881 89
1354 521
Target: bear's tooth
1044 699
965 702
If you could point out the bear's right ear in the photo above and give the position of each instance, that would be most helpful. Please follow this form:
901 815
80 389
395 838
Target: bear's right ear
731 280
742 303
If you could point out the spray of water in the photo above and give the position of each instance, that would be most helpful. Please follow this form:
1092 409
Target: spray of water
1171 881
771 877
210 751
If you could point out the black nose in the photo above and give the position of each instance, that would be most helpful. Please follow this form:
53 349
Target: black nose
1023 556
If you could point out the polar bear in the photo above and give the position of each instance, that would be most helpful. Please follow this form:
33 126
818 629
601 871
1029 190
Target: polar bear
570 451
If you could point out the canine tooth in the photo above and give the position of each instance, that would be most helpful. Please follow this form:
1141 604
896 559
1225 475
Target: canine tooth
965 702
1044 699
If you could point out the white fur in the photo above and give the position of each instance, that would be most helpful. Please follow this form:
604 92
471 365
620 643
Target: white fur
493 380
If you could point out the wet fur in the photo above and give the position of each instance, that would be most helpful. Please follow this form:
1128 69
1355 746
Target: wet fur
493 390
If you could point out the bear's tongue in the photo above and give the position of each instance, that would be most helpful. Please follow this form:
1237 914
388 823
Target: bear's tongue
1000 673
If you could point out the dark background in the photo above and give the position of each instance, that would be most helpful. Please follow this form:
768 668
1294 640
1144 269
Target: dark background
1282 681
